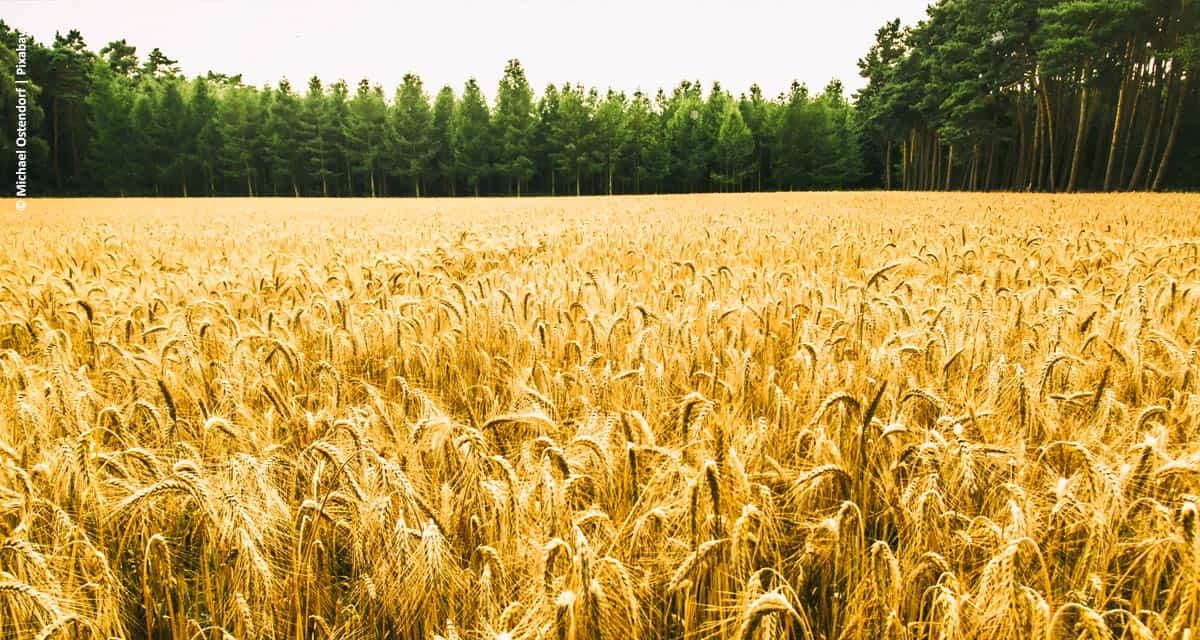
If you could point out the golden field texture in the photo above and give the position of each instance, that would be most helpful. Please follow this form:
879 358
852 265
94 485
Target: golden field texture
918 416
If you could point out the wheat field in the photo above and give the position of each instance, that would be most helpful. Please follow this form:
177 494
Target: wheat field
838 416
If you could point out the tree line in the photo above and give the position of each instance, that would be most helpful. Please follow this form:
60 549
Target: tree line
111 123
980 95
1042 96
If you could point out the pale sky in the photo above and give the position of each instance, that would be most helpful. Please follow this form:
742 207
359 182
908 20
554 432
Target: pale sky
623 44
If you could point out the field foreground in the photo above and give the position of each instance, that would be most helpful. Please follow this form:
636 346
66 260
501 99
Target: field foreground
925 416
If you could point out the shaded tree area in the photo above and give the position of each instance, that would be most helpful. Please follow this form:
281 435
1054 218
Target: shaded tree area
1041 96
980 95
110 123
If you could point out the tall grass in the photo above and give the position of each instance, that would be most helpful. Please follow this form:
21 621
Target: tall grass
776 416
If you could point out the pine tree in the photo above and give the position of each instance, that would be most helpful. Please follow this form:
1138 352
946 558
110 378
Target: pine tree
316 134
203 111
174 139
338 106
108 162
547 143
121 57
412 126
612 132
67 86
367 135
734 153
239 130
471 140
441 138
685 137
514 125
285 148
573 137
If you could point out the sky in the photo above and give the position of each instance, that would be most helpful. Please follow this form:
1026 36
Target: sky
622 44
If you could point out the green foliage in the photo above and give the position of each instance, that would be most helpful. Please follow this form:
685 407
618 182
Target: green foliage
411 120
1014 94
572 136
471 137
514 125
285 152
444 106
734 150
368 139
317 137
981 94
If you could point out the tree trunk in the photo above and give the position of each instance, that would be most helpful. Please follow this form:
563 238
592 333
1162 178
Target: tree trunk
417 186
1122 177
936 165
1080 134
1173 135
1143 157
1110 164
991 164
54 142
1020 158
949 166
249 183
1035 158
1050 141
887 167
973 184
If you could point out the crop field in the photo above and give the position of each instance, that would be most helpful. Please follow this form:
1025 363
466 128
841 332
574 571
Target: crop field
838 416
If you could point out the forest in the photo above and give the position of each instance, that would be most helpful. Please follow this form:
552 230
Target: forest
1073 95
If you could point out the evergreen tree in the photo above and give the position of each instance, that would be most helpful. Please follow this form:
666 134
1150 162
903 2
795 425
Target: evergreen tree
1055 95
338 106
412 127
316 134
646 154
110 165
612 132
758 117
207 127
239 132
546 140
121 57
734 154
515 123
573 139
285 149
470 137
367 134
66 87
159 66
686 137
173 139
441 136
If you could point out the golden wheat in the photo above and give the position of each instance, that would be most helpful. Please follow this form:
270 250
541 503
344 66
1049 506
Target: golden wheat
932 416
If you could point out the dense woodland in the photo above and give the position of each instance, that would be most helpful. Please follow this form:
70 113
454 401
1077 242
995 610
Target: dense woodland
1044 96
981 95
